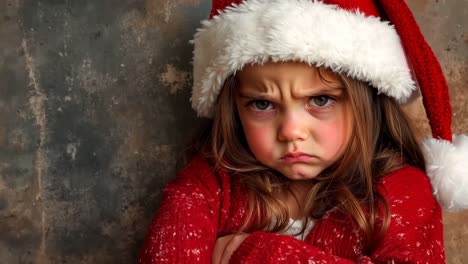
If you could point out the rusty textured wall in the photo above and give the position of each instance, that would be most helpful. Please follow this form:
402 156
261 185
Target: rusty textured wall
94 110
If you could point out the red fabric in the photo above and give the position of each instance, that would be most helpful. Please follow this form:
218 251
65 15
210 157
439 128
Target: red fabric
366 7
426 67
218 5
200 205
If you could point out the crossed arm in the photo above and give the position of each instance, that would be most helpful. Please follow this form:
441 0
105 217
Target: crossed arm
185 229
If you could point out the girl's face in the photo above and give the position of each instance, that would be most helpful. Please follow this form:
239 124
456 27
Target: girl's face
294 122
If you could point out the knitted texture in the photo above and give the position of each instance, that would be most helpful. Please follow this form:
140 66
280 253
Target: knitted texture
201 205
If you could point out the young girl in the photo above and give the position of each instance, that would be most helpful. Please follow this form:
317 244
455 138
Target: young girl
308 157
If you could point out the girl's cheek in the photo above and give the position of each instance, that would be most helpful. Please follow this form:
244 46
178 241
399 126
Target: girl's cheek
258 137
335 136
331 132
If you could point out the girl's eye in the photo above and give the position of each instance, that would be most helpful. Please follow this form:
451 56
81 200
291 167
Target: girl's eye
261 105
321 101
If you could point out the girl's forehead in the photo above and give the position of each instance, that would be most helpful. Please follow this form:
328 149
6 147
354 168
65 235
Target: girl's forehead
287 72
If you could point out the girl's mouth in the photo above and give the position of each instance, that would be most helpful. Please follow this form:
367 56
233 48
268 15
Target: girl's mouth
297 157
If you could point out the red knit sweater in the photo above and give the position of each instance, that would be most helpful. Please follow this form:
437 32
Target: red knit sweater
199 206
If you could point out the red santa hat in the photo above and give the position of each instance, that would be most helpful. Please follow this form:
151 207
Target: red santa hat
346 36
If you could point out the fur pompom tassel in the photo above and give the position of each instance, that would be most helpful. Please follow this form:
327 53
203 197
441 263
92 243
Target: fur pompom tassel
447 168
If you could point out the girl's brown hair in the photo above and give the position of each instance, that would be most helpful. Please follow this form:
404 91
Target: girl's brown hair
382 141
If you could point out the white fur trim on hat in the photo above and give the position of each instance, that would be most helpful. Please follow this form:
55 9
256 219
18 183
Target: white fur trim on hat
447 167
257 31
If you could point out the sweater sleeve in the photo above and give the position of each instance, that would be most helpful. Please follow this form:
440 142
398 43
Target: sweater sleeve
414 234
185 226
265 248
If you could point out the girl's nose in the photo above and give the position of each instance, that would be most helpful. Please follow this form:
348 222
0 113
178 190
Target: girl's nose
292 128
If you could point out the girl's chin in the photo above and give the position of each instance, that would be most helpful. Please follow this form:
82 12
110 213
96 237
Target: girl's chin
301 174
299 177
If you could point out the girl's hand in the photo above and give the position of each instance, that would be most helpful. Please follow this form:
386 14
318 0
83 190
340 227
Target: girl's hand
225 246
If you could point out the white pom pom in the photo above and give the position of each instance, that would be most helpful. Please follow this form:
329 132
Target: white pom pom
447 168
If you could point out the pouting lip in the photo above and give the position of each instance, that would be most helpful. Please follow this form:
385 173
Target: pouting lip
295 155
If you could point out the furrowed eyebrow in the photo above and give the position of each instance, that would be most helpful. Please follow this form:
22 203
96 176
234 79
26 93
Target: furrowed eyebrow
334 91
304 93
330 90
254 96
